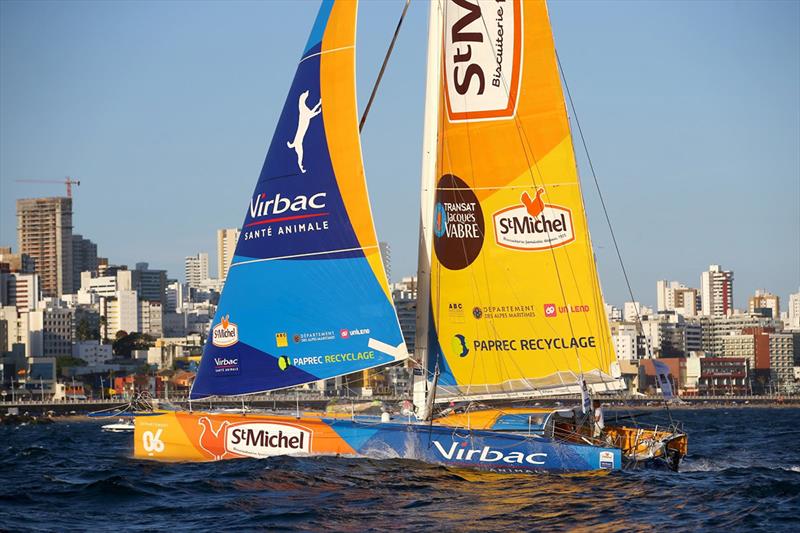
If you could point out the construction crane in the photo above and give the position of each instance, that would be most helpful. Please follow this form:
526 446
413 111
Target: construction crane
68 181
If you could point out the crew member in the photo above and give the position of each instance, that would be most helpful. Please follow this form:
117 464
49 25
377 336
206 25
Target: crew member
599 419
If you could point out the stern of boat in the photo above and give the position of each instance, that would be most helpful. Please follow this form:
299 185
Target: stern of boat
648 445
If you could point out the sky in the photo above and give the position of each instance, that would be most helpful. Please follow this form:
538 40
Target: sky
164 111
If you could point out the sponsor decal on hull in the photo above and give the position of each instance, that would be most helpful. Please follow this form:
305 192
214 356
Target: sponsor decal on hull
462 453
253 439
606 460
482 58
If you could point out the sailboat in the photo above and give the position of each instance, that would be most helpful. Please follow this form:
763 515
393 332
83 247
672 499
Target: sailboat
509 301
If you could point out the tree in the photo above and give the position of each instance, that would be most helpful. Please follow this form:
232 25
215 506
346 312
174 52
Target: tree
85 332
67 361
104 328
125 344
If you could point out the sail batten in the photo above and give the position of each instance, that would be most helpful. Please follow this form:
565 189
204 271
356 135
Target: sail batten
306 297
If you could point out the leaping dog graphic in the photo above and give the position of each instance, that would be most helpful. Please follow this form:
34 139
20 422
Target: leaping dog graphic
303 120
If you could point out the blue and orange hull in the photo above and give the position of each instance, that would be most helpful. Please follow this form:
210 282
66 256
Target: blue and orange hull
199 436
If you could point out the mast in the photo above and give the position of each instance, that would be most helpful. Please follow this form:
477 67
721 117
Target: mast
428 186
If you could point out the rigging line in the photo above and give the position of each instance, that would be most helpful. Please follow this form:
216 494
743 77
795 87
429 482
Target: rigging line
383 67
605 210
599 192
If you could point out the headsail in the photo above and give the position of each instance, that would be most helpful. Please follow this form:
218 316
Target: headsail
515 298
306 296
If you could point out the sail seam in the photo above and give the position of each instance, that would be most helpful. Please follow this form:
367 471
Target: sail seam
303 255
327 51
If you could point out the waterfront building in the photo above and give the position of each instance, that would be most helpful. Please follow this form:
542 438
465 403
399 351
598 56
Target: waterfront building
716 287
765 304
84 258
226 247
44 232
715 329
196 269
724 375
770 356
386 256
781 361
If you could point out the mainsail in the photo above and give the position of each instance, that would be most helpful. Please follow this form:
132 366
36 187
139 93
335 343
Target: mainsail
306 297
515 301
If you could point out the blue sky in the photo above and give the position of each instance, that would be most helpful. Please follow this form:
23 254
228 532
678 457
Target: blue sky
164 111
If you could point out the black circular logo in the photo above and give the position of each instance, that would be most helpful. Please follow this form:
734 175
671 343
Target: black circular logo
458 226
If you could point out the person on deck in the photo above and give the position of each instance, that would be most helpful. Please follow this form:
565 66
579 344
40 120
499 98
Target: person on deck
599 419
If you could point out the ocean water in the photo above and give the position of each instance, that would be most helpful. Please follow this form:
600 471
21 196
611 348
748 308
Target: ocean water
743 473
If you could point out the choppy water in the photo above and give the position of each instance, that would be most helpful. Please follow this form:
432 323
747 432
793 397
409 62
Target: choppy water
743 473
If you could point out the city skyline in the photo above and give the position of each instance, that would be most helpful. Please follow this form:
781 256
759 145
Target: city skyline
174 127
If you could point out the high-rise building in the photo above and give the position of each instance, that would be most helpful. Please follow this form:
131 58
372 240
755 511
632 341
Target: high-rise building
765 303
386 256
196 269
794 310
84 259
675 296
404 296
716 287
150 285
44 232
226 247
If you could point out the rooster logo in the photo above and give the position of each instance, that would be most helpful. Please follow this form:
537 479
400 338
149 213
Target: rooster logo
213 441
535 206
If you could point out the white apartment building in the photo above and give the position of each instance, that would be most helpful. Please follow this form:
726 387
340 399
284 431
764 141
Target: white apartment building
386 256
196 269
625 337
121 313
175 296
226 247
716 286
20 290
675 296
633 311
794 310
781 359
92 352
150 317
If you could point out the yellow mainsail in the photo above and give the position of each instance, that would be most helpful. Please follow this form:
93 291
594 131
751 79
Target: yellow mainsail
515 298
